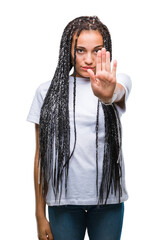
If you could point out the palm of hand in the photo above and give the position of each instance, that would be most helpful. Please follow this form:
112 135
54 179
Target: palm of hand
104 81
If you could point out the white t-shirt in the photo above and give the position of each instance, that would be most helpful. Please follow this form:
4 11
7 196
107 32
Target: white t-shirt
81 188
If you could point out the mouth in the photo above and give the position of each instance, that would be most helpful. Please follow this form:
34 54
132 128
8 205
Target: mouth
86 68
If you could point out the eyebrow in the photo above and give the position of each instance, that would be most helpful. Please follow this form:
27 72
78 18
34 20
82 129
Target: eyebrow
85 48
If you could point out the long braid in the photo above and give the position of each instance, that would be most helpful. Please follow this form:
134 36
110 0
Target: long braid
111 170
74 101
97 126
54 126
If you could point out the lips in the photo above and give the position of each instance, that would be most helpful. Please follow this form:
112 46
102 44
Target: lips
86 68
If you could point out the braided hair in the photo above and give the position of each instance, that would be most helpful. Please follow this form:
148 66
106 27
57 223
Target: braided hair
54 125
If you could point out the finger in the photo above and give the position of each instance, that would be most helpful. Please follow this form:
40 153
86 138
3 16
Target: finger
108 64
114 68
93 78
50 236
103 58
98 64
44 237
91 74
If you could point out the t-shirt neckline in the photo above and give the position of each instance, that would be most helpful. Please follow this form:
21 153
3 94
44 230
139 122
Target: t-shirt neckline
80 79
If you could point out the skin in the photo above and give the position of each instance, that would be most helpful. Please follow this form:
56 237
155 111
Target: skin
43 226
90 53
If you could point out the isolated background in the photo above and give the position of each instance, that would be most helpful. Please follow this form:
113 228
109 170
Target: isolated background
29 45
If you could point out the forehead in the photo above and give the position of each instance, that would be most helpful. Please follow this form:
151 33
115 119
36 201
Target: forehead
87 37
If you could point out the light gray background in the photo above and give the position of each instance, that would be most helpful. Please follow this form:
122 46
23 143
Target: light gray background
29 45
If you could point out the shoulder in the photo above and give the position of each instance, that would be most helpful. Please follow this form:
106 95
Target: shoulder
43 88
123 77
125 80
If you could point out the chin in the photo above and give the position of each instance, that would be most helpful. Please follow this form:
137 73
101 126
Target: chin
83 75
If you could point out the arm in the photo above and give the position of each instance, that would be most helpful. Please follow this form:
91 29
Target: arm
43 227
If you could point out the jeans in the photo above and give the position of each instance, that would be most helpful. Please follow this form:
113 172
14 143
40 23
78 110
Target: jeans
69 222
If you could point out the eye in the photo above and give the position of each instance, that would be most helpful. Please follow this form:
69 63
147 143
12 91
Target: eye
79 50
97 50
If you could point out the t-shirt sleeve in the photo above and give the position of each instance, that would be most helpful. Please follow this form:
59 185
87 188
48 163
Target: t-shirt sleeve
34 113
126 82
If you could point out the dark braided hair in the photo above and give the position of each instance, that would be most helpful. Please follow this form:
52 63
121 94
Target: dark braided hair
54 126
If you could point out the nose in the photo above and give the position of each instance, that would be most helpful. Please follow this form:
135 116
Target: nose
88 59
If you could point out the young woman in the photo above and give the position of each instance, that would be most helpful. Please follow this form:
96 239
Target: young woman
79 166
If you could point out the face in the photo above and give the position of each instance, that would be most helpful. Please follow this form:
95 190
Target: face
88 43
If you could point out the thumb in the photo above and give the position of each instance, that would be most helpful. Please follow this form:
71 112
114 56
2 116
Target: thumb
49 235
91 74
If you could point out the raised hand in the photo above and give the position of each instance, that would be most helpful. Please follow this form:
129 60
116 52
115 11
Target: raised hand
103 82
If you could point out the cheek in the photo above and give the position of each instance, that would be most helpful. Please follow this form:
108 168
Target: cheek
79 59
94 57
